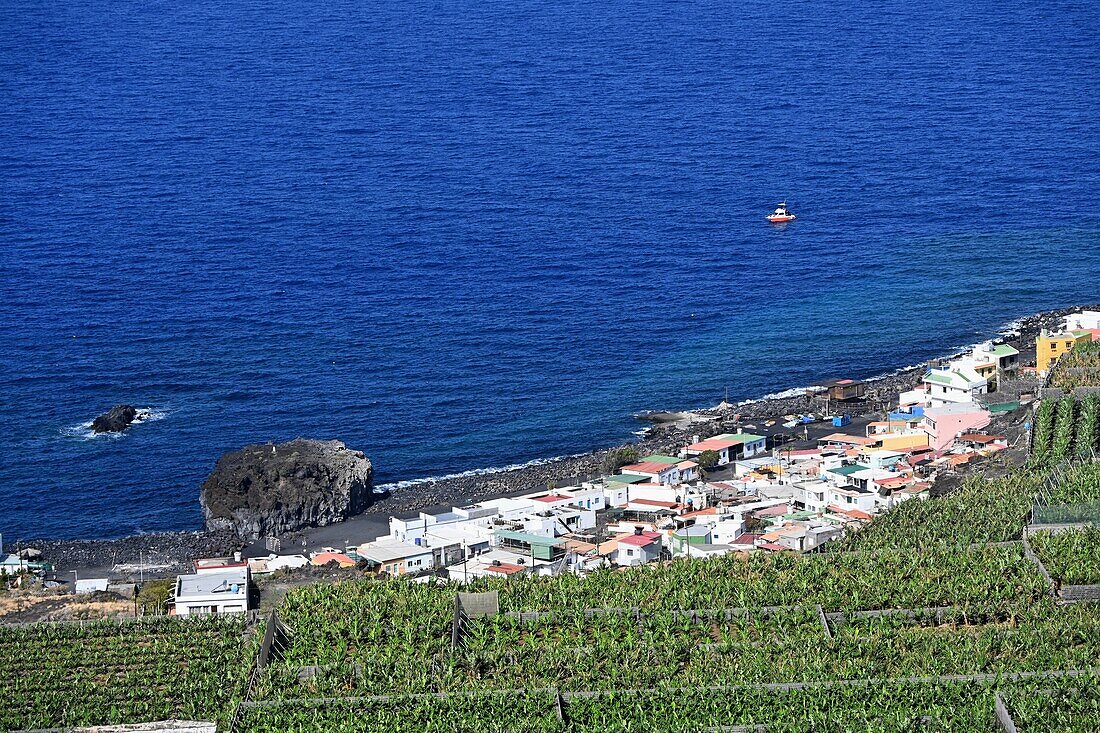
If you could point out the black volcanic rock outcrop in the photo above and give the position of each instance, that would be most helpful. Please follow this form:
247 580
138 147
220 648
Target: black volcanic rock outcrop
115 420
266 490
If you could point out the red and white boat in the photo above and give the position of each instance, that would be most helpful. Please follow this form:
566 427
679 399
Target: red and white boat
781 214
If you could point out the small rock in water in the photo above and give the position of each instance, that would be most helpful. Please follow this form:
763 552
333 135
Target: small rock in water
115 420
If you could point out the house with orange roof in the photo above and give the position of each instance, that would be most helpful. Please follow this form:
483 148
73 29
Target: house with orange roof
981 441
324 558
843 440
857 515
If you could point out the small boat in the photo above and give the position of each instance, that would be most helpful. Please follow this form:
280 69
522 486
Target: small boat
781 214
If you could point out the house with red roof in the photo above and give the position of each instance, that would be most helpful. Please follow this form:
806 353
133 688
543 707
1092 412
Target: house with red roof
843 390
638 548
665 470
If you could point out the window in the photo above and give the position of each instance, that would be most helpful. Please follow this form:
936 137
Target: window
630 553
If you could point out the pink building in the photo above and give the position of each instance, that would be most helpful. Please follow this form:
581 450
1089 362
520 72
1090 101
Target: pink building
943 424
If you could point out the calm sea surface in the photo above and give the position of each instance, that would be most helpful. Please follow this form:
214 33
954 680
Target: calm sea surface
461 235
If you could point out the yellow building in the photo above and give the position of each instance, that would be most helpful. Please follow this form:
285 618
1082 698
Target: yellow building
1050 346
903 441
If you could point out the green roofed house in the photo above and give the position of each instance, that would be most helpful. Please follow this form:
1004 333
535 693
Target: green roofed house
990 360
730 447
625 478
841 475
537 546
958 382
658 458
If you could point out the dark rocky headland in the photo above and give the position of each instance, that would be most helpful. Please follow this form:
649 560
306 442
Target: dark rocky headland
267 490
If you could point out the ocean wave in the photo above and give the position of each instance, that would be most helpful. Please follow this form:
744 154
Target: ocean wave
83 431
1012 328
398 485
783 395
896 372
150 414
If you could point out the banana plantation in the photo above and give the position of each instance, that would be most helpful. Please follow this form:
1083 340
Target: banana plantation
938 616
99 672
1066 428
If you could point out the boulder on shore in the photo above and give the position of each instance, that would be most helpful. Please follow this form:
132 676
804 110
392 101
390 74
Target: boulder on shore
115 420
267 490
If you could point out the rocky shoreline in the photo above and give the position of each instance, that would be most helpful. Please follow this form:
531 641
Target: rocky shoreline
161 553
670 431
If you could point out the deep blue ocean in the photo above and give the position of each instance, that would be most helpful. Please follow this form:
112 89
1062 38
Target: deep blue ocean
463 235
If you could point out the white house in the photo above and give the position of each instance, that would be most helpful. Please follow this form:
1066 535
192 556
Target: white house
682 494
729 447
727 531
209 591
1083 321
408 530
637 549
616 490
882 458
274 563
398 558
811 495
911 398
496 563
1002 357
953 384
761 464
91 585
851 497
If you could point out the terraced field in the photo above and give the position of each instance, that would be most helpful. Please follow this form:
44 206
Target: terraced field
102 672
914 628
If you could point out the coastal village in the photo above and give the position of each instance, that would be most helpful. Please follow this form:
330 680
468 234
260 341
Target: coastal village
782 485
743 491
940 554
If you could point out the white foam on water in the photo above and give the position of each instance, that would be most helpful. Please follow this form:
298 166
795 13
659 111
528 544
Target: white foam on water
398 485
785 394
1008 330
83 431
150 414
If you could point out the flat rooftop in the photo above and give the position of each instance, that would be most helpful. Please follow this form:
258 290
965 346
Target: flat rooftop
203 584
